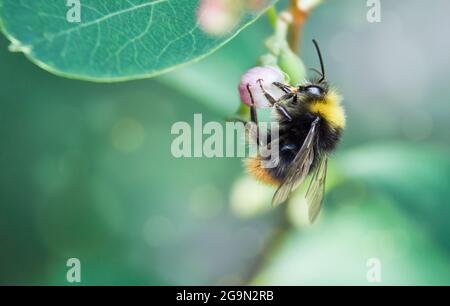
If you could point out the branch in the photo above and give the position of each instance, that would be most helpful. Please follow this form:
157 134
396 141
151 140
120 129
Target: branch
299 9
274 241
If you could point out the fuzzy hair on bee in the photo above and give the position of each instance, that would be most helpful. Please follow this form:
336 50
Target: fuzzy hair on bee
311 122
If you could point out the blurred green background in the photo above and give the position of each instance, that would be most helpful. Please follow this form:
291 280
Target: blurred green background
86 169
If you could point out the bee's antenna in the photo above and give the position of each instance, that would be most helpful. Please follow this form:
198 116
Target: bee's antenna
322 67
316 71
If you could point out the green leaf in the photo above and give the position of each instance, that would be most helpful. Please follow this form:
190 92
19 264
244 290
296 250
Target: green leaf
115 40
415 176
222 71
390 204
337 250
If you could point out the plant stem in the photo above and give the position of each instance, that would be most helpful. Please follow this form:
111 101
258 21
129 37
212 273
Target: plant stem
299 18
274 241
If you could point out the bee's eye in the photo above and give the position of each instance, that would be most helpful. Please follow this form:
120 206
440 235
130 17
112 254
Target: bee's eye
314 90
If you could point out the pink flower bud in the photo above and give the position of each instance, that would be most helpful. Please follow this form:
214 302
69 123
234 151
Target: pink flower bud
267 75
217 17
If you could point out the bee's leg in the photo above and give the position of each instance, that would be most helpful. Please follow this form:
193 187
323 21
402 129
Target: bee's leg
253 114
271 99
276 103
268 96
285 88
232 119
283 110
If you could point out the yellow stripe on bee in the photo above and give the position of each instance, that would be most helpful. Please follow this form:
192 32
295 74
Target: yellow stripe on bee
330 109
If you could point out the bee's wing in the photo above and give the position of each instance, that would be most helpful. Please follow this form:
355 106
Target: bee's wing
299 167
316 189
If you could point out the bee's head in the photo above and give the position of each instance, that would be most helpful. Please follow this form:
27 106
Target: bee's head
314 89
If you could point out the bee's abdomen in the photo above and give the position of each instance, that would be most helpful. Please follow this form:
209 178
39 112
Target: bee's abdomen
273 175
292 137
255 168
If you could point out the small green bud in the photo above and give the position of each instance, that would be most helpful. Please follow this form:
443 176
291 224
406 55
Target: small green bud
292 65
268 60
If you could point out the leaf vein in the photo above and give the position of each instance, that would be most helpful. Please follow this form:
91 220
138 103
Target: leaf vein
109 16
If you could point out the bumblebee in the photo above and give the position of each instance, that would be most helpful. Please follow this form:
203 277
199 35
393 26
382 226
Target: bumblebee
311 121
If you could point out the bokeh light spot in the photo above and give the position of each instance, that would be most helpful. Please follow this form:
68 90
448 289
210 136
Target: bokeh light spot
250 198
